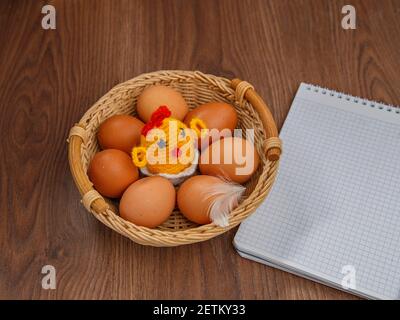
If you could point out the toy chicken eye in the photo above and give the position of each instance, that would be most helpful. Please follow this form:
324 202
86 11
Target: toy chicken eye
182 133
161 143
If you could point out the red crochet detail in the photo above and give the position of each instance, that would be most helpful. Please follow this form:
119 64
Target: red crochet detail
156 119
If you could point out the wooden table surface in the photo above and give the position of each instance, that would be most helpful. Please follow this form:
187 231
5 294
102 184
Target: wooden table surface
48 78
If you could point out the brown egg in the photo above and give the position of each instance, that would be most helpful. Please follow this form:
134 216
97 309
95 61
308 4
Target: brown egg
148 202
155 96
120 132
205 199
232 158
215 115
111 172
193 201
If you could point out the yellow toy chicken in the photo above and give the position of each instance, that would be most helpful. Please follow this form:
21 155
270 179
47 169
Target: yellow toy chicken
168 147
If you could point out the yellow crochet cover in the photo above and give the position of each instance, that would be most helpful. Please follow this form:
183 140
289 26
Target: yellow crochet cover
167 144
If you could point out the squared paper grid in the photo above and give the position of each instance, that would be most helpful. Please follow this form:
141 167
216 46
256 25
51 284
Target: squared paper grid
335 202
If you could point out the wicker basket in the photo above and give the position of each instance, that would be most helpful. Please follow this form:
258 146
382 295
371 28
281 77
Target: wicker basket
197 88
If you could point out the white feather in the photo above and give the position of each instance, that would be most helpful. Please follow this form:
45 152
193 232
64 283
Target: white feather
225 197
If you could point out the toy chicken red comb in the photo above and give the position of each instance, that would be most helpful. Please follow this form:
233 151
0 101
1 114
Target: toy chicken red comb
156 119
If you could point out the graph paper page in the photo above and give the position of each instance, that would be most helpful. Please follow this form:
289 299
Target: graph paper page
333 214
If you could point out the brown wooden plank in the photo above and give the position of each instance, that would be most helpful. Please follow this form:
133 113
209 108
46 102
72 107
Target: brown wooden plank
49 78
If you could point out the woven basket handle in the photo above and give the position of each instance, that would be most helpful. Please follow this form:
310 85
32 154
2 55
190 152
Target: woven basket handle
91 199
272 143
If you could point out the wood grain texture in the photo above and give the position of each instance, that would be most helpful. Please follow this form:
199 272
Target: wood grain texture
49 78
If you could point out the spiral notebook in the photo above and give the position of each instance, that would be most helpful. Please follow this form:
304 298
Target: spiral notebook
333 214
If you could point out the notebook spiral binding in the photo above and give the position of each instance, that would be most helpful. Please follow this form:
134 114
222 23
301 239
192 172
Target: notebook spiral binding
355 99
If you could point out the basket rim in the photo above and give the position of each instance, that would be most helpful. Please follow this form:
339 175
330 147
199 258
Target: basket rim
98 205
